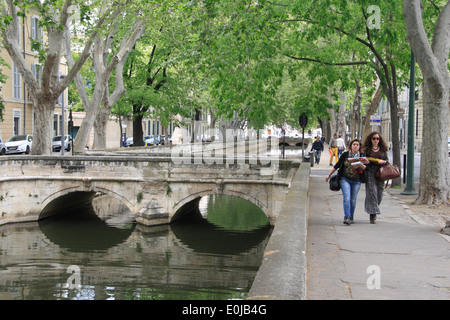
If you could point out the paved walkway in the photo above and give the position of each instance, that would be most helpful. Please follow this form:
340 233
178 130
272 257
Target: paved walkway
396 258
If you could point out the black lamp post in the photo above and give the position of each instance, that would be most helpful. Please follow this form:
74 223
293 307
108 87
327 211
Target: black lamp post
410 154
71 126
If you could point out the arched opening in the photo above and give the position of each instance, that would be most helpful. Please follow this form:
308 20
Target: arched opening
232 213
222 223
104 202
86 221
225 212
66 203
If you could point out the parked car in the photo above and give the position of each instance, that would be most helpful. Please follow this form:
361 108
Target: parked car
129 142
206 138
151 140
162 139
19 144
56 143
2 147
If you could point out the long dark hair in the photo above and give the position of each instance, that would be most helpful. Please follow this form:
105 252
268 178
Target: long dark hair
349 147
367 145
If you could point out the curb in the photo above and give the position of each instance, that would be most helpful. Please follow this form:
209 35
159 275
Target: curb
282 275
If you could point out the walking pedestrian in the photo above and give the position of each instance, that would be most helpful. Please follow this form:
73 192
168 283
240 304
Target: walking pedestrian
351 166
317 146
333 148
340 145
375 149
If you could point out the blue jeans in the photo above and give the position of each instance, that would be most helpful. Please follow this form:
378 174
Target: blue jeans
350 191
317 154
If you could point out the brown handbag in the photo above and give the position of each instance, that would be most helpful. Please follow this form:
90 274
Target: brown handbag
388 171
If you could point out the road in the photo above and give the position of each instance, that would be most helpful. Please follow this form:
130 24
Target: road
417 157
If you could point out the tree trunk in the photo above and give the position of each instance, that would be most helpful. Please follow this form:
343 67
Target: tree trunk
341 128
100 124
371 111
138 133
46 93
81 140
42 129
356 114
103 70
434 169
432 59
213 124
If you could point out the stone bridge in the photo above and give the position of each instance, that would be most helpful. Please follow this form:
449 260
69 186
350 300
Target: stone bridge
154 188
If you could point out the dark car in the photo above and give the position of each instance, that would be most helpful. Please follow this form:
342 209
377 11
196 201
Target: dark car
162 139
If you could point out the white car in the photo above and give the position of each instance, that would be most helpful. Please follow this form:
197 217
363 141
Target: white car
129 142
19 144
56 143
151 140
2 147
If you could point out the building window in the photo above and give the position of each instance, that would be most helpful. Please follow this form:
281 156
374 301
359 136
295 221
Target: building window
16 122
36 69
37 34
17 83
36 31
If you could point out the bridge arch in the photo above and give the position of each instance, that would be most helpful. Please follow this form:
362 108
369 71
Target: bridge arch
75 197
189 203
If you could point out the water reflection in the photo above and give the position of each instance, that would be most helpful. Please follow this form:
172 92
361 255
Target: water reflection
223 224
118 259
84 231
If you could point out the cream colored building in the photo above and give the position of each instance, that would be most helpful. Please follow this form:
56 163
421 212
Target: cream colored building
403 114
18 114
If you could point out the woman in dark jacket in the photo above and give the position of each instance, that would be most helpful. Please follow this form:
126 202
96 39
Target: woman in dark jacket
350 165
375 149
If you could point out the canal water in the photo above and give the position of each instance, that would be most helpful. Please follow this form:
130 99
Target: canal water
100 253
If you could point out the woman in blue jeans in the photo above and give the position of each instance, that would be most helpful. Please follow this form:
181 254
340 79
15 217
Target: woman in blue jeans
351 166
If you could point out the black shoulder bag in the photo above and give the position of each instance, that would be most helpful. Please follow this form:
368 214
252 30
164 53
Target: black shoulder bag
335 181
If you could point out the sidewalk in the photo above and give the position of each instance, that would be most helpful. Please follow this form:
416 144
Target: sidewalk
396 258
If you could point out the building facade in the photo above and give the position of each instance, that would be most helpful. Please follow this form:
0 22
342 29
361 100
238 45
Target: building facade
384 113
18 115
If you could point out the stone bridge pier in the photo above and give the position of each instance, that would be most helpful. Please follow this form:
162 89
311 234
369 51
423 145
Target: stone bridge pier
155 189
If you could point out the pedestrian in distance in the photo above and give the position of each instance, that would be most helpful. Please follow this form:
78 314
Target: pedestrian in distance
375 149
351 166
317 146
333 148
340 145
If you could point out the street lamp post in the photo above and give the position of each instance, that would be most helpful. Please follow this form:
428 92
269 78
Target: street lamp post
62 130
71 126
409 189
